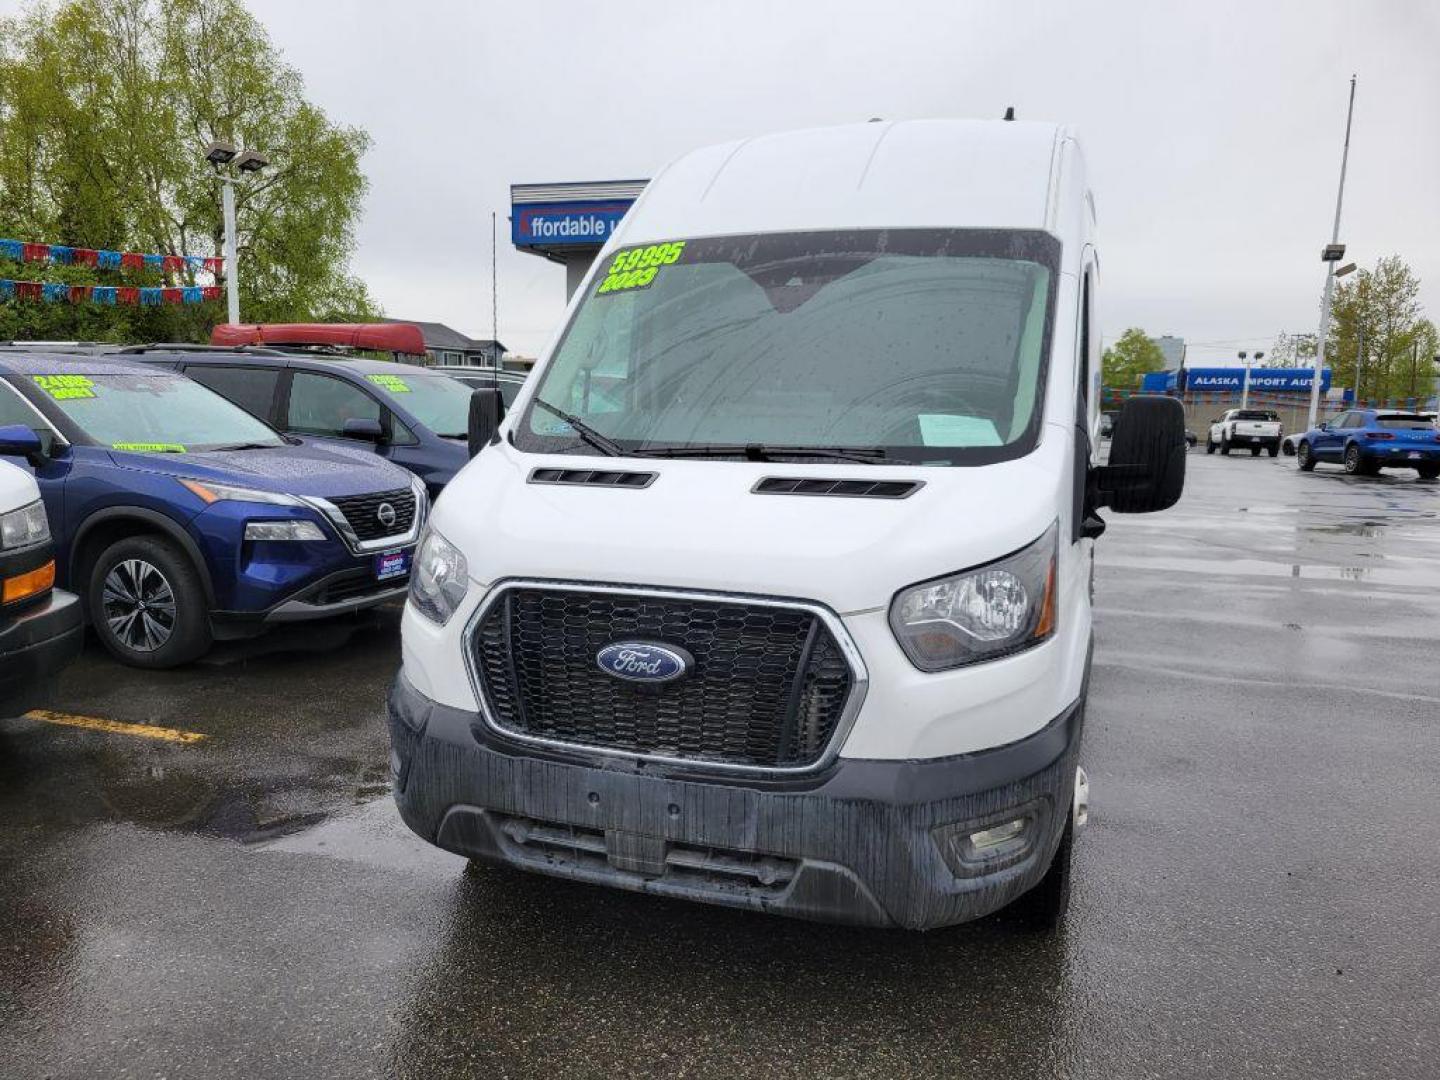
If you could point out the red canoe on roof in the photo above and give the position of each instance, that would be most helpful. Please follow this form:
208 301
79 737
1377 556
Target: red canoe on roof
379 337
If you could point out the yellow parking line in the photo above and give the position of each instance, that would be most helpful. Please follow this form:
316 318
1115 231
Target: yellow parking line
115 727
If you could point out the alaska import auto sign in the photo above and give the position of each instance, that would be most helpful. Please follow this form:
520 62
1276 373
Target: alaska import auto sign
557 224
1228 379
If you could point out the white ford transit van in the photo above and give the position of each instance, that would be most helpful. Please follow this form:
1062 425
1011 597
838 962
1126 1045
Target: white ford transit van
772 589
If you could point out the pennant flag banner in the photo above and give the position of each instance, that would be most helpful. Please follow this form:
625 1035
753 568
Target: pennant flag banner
64 255
58 292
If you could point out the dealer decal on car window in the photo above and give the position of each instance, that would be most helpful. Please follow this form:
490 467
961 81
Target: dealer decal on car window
394 383
65 387
150 447
637 268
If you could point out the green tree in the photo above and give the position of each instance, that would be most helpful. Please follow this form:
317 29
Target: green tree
106 107
1375 320
1290 351
1133 355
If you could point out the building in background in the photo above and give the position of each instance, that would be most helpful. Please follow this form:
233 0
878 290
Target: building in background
1174 350
569 223
446 345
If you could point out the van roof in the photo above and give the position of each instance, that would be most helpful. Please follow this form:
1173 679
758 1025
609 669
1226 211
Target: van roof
900 174
60 362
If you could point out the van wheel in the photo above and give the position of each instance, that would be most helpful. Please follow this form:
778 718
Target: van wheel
1043 908
147 604
1304 457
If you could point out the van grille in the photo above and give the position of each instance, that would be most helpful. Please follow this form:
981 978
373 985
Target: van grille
768 688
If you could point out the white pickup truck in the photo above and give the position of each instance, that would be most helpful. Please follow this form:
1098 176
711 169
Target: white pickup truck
1252 429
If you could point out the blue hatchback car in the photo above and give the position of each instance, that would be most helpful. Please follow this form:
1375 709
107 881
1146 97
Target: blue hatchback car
408 415
179 518
1365 441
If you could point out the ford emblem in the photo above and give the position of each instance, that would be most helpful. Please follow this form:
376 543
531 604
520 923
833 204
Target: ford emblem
641 661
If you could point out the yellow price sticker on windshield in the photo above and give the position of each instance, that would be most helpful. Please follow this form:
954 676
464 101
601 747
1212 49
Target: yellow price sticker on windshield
394 383
638 267
150 447
65 387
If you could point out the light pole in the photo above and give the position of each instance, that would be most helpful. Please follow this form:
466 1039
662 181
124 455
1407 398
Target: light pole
1333 253
1245 381
227 160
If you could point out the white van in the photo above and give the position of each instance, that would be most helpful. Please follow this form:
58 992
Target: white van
773 588
40 629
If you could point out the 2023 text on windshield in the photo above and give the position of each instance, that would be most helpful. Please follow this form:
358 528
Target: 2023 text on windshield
919 345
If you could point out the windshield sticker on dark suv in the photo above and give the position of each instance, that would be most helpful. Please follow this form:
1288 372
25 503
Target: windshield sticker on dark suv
150 447
393 383
65 387
638 267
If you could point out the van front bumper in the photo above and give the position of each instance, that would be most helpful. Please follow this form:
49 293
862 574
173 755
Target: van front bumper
875 843
35 646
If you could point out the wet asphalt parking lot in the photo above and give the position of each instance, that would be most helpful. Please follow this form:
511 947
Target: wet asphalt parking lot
1258 892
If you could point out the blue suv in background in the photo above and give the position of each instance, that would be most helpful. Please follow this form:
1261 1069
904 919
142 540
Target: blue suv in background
408 415
179 518
1365 441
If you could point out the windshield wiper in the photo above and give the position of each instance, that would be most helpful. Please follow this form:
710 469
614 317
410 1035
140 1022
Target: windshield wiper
582 429
248 446
866 455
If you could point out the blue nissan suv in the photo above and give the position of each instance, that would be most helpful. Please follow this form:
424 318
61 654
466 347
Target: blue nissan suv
179 518
408 415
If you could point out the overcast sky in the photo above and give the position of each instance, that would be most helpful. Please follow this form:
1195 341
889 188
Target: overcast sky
1213 130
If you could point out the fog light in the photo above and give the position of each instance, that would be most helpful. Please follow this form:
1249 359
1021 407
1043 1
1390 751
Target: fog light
988 840
970 852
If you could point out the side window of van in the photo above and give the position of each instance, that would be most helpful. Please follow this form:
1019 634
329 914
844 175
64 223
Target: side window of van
253 388
320 404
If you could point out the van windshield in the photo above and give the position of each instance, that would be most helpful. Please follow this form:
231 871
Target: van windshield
925 346
156 413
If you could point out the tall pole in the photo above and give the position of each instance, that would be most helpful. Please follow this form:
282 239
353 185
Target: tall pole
1245 386
232 268
494 301
1330 268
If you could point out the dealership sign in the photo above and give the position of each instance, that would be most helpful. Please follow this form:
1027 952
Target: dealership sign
565 224
1272 380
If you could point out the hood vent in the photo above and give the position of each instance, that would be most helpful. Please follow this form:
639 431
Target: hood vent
853 489
593 477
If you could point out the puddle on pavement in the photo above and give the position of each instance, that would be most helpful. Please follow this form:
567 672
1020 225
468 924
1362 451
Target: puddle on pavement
51 781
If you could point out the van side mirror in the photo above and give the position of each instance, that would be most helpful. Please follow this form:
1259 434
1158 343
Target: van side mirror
487 409
363 428
1146 471
17 440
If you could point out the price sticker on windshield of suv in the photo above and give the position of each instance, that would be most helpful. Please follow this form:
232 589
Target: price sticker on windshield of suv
638 267
65 387
394 383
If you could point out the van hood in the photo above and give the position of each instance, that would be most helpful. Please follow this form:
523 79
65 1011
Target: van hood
312 469
700 526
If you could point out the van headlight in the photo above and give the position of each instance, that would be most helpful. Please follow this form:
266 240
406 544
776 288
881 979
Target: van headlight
23 527
440 578
980 614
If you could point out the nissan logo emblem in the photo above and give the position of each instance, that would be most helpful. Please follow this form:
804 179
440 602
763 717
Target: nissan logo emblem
386 513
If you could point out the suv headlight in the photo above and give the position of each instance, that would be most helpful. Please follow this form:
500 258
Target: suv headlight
990 611
440 578
23 527
211 492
